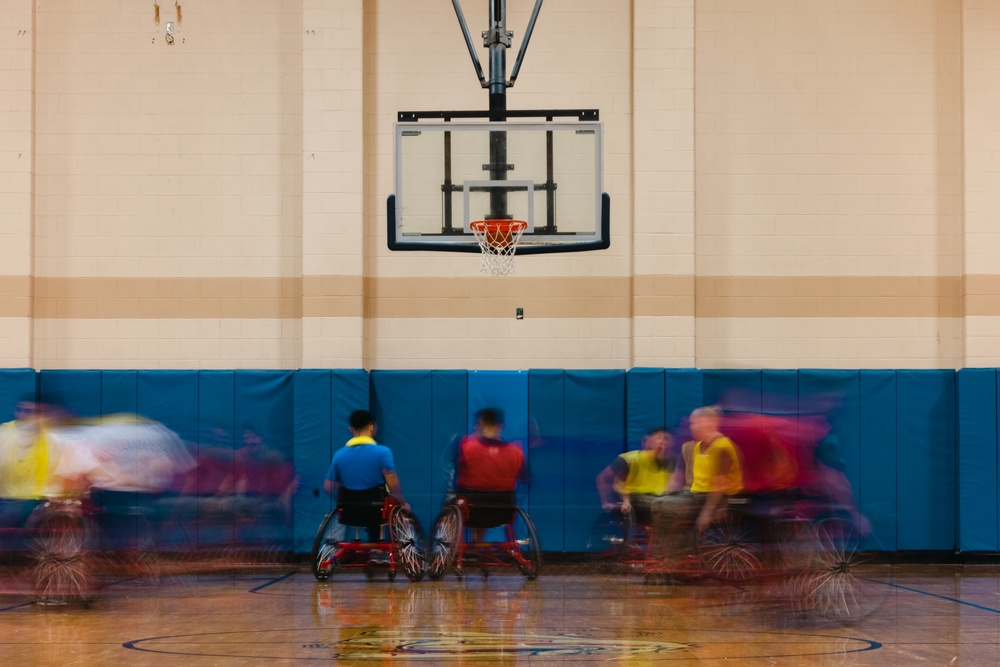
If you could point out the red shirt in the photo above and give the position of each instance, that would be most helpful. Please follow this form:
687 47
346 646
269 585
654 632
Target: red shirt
485 464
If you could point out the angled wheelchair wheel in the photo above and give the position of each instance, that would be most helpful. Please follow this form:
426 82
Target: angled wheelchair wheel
850 572
328 539
408 543
445 537
611 537
62 555
731 548
528 554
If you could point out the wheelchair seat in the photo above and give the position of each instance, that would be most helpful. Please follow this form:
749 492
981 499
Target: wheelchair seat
488 509
337 544
506 537
361 507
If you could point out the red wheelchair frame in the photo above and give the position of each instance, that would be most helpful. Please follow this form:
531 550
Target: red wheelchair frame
812 551
451 550
56 563
334 548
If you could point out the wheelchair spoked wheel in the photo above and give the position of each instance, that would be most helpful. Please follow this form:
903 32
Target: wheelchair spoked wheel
62 555
849 571
445 538
612 538
528 554
140 556
407 543
328 539
731 548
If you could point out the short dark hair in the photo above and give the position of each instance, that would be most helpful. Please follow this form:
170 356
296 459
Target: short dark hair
361 419
658 429
490 416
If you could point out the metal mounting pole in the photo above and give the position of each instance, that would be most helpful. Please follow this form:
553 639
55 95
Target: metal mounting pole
497 39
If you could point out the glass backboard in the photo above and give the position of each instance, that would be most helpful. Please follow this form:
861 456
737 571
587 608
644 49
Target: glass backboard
450 174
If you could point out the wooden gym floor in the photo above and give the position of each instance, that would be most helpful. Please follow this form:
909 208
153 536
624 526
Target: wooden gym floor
931 615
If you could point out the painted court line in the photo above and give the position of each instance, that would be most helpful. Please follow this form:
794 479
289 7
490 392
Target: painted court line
944 597
273 581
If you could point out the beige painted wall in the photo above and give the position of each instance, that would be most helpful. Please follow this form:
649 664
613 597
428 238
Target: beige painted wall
807 184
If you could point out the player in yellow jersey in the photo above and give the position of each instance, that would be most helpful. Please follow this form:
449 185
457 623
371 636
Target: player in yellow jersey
637 477
711 471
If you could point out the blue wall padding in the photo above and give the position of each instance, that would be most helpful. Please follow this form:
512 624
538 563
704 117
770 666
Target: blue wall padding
171 398
547 456
449 423
595 435
920 448
118 396
507 390
684 391
876 488
645 403
926 457
738 389
119 392
264 404
350 391
77 391
216 445
402 404
836 394
779 392
217 408
15 383
327 398
312 440
977 459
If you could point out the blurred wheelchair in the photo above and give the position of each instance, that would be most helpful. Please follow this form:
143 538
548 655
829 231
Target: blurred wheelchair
462 533
815 554
618 540
51 556
338 545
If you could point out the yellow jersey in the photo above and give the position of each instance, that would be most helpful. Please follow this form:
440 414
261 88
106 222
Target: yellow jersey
646 475
707 462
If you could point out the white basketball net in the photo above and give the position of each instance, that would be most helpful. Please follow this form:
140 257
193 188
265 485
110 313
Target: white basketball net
498 243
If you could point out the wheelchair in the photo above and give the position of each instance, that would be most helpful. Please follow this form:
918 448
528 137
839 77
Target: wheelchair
618 539
337 545
827 566
51 555
453 546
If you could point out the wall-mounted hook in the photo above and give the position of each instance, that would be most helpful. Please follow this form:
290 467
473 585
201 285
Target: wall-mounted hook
170 32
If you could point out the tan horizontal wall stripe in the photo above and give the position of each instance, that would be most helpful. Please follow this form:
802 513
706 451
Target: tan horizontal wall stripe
982 295
15 296
497 297
828 296
664 296
584 297
141 298
332 296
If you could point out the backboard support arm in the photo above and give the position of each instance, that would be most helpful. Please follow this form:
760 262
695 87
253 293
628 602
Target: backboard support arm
469 44
524 42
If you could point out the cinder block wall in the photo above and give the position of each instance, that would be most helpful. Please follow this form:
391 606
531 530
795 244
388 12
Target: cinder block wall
792 186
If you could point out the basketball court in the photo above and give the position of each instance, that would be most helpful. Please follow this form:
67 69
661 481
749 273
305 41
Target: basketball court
937 615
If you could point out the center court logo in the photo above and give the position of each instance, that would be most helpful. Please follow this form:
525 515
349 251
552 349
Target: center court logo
369 643
433 645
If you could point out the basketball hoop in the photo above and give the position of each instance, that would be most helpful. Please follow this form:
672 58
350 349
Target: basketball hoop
498 240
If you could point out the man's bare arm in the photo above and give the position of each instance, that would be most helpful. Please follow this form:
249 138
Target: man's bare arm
715 496
395 488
